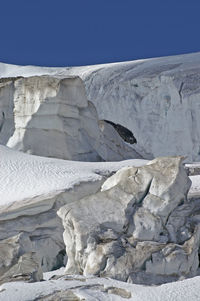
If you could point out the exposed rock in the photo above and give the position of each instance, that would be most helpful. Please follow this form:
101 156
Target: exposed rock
50 116
140 221
125 133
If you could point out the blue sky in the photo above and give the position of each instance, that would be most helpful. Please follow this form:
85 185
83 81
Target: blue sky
82 32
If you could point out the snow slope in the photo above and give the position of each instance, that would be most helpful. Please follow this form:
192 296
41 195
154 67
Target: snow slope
24 176
98 289
185 61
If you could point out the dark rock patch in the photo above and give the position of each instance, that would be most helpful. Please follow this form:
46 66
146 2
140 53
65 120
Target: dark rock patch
124 133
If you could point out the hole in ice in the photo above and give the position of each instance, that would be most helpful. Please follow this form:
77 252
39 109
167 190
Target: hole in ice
124 133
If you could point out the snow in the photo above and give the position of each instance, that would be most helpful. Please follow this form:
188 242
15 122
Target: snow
24 176
186 61
195 188
184 290
28 176
157 99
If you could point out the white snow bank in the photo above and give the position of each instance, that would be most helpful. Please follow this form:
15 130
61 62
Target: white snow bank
90 289
24 176
195 188
187 61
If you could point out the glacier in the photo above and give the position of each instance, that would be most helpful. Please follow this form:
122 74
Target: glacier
56 138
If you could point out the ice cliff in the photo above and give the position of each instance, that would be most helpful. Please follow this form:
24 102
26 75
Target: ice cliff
157 99
51 116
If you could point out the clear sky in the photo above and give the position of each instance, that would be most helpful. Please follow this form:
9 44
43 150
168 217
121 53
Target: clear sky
82 32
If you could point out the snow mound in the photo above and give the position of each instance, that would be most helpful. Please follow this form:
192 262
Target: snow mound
24 176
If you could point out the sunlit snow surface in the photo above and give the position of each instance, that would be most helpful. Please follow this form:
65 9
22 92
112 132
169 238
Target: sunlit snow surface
186 290
25 176
186 61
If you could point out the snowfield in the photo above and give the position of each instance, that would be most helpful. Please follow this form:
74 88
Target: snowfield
93 289
24 176
185 62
